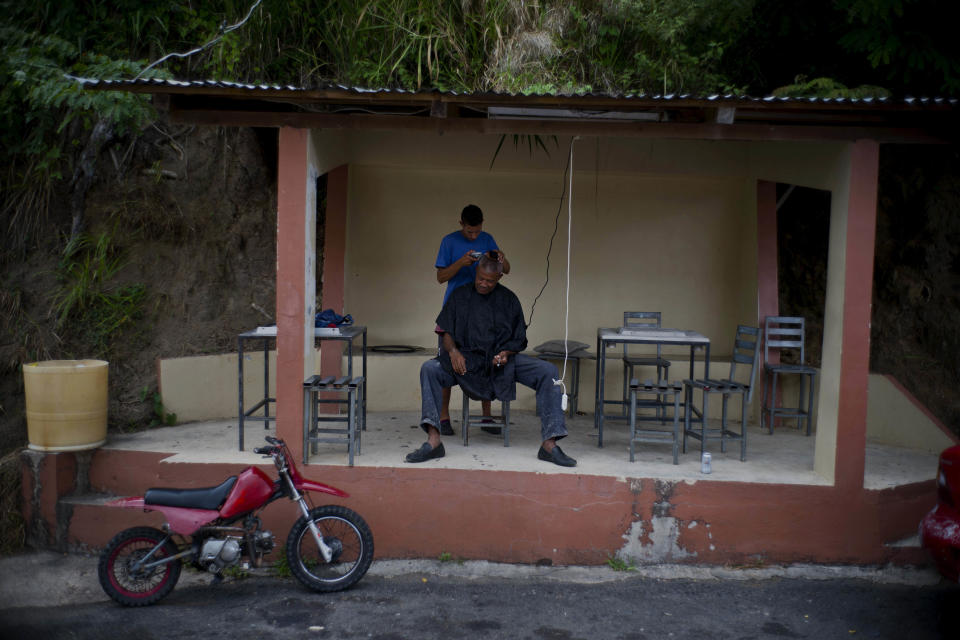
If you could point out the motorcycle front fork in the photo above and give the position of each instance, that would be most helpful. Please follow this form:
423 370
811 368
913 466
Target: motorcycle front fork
297 497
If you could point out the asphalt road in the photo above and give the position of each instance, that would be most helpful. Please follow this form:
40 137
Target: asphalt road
418 603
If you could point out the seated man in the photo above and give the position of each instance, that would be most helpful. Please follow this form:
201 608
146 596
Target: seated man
483 335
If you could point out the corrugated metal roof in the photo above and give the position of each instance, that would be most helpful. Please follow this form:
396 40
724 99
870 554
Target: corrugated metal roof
175 86
714 116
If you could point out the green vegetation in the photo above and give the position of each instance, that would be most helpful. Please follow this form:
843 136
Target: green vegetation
160 414
551 46
12 526
236 572
45 122
618 564
88 299
281 568
446 556
829 88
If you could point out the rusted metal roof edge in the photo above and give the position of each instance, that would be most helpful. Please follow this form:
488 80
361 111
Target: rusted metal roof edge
346 94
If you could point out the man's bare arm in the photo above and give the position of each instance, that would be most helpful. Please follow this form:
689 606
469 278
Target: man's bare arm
446 273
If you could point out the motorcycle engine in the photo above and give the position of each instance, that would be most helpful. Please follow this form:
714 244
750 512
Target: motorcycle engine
263 540
218 554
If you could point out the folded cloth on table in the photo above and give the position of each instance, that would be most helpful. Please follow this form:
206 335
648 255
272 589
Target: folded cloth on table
329 318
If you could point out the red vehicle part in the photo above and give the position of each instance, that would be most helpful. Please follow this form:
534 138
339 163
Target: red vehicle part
252 490
302 484
181 520
940 528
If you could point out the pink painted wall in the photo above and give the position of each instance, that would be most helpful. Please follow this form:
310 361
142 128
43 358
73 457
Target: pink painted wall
334 263
855 347
566 519
768 295
292 176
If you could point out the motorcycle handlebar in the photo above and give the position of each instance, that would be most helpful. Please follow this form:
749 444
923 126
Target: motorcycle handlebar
276 443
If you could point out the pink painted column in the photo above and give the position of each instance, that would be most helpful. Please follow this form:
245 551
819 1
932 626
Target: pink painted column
768 294
768 291
857 294
292 190
334 264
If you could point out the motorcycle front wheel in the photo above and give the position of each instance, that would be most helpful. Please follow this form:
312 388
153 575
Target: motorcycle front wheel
132 586
346 533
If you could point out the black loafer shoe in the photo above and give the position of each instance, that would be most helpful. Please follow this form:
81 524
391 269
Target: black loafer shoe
426 452
557 456
446 429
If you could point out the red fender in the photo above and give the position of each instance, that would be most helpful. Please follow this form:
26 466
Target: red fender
182 521
302 484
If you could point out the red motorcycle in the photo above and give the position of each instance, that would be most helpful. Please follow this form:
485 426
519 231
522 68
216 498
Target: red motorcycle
329 548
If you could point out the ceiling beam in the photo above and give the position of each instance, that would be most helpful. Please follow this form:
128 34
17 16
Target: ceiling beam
676 130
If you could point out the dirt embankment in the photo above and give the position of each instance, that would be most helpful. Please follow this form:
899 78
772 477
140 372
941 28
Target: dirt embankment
191 216
916 296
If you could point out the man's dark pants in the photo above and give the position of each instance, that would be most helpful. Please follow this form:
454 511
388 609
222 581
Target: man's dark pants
530 372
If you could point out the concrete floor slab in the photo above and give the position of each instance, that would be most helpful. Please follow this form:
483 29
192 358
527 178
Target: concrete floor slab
786 457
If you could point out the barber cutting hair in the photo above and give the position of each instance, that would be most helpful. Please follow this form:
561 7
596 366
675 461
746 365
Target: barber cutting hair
483 335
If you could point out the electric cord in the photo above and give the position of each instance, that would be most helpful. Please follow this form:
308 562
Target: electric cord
556 224
568 192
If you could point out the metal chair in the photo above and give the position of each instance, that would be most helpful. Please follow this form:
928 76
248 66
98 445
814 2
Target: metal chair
661 390
502 420
785 335
643 320
352 390
746 353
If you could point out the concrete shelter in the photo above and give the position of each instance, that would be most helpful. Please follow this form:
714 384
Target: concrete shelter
674 209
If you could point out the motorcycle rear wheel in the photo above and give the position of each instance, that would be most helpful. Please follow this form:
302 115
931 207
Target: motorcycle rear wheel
137 588
349 536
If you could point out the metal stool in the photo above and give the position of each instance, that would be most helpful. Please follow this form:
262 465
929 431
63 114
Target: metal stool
662 390
350 432
503 420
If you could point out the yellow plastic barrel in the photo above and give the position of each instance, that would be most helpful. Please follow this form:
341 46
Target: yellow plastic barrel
66 404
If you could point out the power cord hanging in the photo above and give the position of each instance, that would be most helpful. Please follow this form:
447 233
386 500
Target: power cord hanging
568 174
556 223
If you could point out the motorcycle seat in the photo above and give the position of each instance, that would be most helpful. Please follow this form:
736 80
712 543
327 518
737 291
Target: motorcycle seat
211 498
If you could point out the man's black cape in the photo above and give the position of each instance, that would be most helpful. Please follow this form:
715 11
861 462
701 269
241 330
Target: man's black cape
482 326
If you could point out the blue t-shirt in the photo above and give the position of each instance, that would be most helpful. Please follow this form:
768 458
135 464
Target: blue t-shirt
452 248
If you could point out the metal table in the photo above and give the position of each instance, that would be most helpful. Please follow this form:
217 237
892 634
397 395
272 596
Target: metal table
607 337
265 334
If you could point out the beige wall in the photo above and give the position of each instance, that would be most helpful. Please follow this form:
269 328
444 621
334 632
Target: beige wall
206 387
828 391
657 225
683 245
894 418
